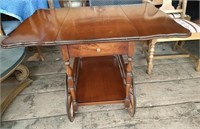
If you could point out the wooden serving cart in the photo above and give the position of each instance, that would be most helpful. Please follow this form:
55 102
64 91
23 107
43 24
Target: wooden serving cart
97 37
99 75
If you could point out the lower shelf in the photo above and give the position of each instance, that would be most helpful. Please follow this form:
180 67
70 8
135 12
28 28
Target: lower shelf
99 81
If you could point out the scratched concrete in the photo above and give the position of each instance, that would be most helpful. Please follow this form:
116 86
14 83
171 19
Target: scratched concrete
169 98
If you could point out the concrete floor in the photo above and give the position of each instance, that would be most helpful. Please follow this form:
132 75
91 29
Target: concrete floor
169 98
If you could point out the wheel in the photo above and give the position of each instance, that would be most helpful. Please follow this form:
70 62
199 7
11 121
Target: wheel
69 104
70 109
132 98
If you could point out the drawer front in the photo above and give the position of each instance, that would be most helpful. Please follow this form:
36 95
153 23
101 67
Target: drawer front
98 49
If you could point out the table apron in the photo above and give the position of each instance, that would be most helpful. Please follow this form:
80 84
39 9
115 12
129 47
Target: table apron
97 49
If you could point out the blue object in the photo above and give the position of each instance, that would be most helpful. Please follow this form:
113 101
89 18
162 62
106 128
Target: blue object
22 9
10 58
9 26
113 2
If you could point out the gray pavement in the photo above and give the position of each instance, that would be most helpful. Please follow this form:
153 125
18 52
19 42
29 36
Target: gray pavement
169 98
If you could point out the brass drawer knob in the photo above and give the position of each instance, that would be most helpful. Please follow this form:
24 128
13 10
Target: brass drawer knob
98 50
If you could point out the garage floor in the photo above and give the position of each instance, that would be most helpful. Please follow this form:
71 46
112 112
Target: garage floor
169 98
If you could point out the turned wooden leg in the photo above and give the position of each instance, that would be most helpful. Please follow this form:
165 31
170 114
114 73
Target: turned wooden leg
37 56
178 44
198 66
175 46
130 102
39 53
151 55
83 2
128 81
181 43
70 83
50 3
129 72
144 47
71 104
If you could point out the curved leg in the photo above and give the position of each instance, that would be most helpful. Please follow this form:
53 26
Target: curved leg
22 72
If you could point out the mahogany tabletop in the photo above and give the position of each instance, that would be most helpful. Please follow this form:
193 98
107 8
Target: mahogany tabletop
94 24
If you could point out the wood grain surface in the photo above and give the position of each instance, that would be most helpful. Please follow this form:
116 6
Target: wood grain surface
94 24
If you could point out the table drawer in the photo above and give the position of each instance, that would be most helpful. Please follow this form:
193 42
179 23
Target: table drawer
97 49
